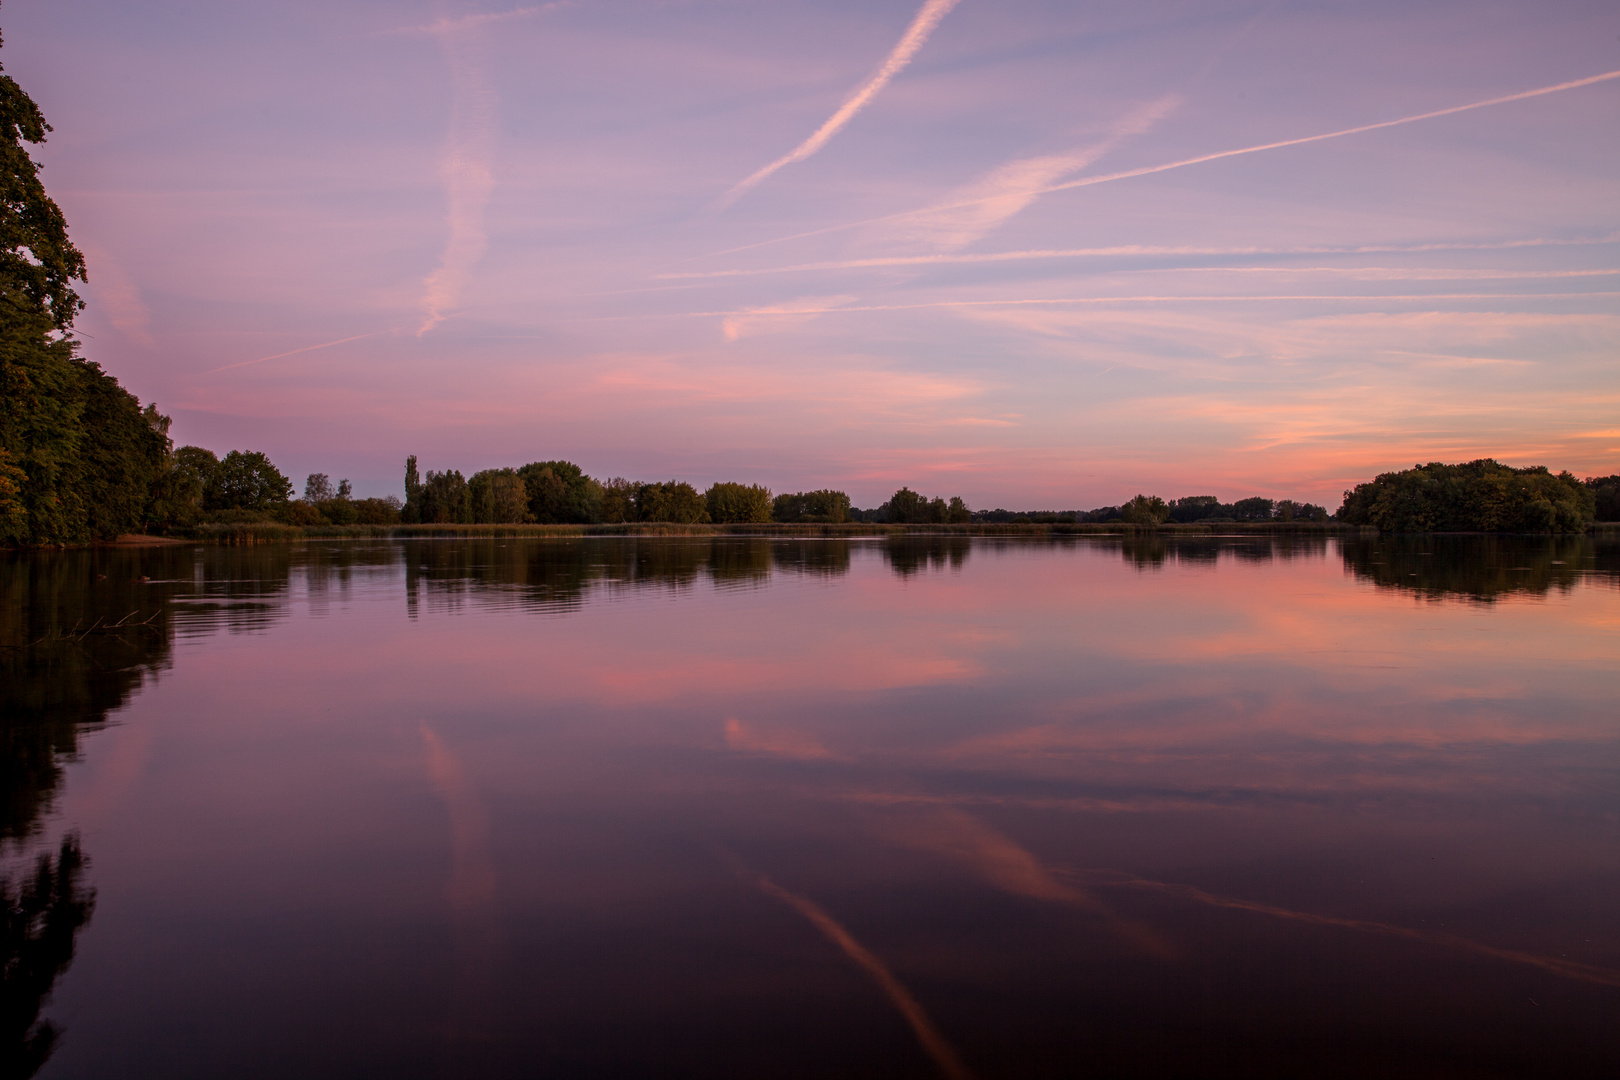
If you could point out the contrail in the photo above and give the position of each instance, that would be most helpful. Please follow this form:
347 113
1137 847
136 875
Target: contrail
952 258
1087 181
1185 162
1007 190
294 352
1095 300
921 26
468 179
927 1034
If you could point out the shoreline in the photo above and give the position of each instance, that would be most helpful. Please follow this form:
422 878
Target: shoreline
271 532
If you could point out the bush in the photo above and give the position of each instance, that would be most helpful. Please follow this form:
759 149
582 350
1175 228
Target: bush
384 511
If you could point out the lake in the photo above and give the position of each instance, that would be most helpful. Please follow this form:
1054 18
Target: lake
688 807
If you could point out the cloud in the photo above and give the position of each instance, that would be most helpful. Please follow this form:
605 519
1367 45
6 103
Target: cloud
779 317
1435 114
1128 250
782 742
119 298
1164 298
468 173
467 22
975 210
928 17
1149 170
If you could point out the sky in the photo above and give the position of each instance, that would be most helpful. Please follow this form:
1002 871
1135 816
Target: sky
1039 255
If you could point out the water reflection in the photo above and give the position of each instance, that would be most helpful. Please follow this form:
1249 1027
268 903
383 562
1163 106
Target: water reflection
1128 806
1482 568
43 914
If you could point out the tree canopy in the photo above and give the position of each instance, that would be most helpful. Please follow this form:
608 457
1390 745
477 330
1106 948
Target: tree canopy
1475 496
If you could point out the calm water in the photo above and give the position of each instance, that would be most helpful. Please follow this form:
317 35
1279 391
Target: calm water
672 808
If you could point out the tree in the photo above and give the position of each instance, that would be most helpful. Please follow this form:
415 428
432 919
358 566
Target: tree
619 500
317 487
88 455
499 496
824 506
957 512
907 507
13 515
246 480
673 501
444 499
1257 508
177 495
559 493
1145 510
1475 496
738 503
1605 497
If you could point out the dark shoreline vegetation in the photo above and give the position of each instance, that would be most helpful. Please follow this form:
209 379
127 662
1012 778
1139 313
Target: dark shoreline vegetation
82 461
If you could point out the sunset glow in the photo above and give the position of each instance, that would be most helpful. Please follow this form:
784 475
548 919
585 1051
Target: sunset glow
1040 255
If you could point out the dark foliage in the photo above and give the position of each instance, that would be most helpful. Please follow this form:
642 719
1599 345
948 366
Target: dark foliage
907 507
559 493
999 516
818 507
43 915
1476 496
738 503
498 497
672 501
246 480
1605 497
78 457
444 499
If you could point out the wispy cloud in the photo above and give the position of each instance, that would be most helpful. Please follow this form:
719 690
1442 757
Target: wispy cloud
928 1035
1130 250
118 295
975 210
466 22
778 316
1105 178
467 167
1166 298
927 18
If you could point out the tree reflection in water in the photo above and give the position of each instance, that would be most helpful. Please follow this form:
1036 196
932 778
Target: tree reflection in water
1482 569
43 914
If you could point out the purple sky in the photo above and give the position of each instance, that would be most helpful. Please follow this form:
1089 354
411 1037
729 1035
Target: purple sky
818 244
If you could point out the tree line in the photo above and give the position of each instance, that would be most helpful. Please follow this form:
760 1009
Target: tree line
561 493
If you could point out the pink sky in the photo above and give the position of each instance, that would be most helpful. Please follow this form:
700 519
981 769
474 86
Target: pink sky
849 245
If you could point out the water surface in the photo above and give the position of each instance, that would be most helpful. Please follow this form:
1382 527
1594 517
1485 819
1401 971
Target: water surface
731 807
